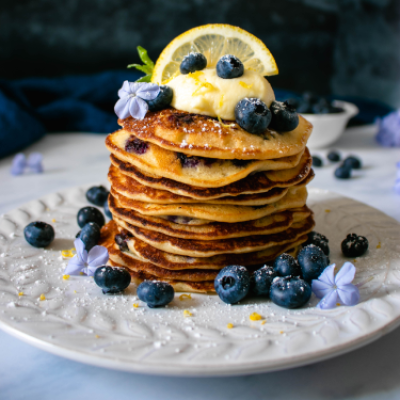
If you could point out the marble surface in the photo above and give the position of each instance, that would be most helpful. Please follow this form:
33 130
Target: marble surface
368 373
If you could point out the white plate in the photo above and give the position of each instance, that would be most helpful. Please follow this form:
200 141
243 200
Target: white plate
77 321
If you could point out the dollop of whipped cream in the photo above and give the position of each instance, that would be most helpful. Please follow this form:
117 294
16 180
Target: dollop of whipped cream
204 92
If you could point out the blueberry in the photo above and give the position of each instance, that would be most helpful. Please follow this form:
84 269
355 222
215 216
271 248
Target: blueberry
106 208
90 235
304 107
121 240
232 283
343 172
229 67
284 117
135 145
97 195
285 265
310 98
193 62
319 240
155 294
354 245
261 280
352 162
252 115
322 106
316 161
112 279
312 262
90 214
333 156
290 292
39 234
188 162
163 100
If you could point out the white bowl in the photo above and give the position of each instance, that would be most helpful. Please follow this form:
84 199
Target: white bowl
329 127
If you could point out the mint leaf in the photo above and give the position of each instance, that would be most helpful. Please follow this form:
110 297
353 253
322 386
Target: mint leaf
145 57
147 68
146 78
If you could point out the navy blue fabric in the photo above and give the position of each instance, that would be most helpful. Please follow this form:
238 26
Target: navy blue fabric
29 108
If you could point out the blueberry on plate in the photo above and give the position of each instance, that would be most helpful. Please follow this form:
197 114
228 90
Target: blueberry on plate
343 172
319 240
285 265
232 284
90 235
333 156
155 293
90 214
107 211
316 161
121 240
290 292
261 281
322 106
97 195
39 234
163 100
284 117
352 162
193 62
252 115
354 245
112 279
312 262
229 67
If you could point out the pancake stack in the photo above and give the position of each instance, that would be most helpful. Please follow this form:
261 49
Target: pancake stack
191 195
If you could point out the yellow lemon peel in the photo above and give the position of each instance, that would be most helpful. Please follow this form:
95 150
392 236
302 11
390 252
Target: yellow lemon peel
224 125
378 246
187 313
207 85
96 336
185 297
255 316
327 210
135 305
263 322
245 85
68 253
229 326
221 101
66 277
42 297
20 294
53 220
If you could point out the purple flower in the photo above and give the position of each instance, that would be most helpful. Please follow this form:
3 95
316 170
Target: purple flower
86 262
397 186
389 130
35 162
18 164
132 98
334 290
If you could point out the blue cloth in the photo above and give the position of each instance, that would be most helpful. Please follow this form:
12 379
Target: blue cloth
31 107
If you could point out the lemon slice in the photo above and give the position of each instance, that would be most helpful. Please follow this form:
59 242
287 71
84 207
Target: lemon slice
214 40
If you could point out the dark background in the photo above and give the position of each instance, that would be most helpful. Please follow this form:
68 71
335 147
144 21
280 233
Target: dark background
344 47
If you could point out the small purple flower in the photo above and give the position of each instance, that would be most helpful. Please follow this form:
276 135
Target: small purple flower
333 290
389 130
397 186
35 162
132 98
18 164
86 262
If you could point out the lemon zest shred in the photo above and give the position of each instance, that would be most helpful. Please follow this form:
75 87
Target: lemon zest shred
81 273
221 101
245 85
42 297
65 277
378 246
230 326
187 313
68 253
255 316
185 297
196 75
96 336
135 305
224 125
327 210
207 85
281 332
53 220
75 291
263 322
20 294
338 304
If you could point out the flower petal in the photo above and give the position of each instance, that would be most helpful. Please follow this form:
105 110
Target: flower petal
98 256
138 108
18 164
89 271
148 91
345 275
80 250
329 301
320 288
349 295
125 90
75 265
328 275
35 162
121 107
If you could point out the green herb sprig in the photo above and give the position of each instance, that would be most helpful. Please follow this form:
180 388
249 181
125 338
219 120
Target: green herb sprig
147 67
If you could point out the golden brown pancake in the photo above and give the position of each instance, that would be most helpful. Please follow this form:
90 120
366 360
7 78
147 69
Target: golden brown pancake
205 172
200 135
141 251
201 248
274 223
295 198
260 182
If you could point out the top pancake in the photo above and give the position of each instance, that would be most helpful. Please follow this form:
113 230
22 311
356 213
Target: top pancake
200 135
